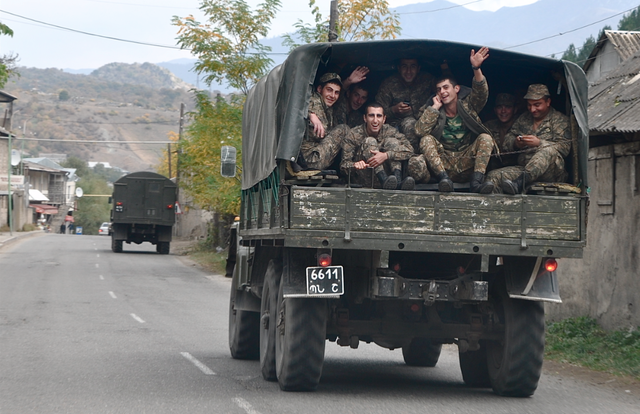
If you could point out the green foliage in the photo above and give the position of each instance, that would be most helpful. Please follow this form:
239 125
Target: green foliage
227 45
357 20
63 95
581 341
7 62
580 56
82 170
214 124
92 211
630 21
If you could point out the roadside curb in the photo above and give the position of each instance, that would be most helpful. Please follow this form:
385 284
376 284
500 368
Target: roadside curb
18 236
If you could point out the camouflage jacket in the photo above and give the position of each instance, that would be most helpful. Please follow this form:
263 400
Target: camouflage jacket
470 103
356 137
344 116
554 130
324 113
393 90
499 130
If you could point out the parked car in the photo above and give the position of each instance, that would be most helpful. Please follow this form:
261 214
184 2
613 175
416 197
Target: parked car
105 229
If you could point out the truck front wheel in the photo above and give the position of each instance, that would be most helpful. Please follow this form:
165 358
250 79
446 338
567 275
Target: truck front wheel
300 339
116 245
515 363
269 320
421 352
244 333
163 247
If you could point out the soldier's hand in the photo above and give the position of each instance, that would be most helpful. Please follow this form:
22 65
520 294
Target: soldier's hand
360 165
318 128
480 56
437 103
377 159
358 75
527 141
401 108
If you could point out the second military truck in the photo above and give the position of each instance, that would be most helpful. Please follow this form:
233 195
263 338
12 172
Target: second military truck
143 211
319 259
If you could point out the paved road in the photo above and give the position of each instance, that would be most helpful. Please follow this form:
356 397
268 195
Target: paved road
84 330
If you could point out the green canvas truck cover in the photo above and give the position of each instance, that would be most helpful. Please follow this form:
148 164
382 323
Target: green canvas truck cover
276 107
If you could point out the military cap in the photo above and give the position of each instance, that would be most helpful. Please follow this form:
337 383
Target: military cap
537 91
505 99
330 77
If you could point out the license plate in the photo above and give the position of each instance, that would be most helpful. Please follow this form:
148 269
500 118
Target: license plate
325 281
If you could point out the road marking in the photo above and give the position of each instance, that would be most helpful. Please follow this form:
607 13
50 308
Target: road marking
113 295
202 367
244 404
98 254
137 318
101 277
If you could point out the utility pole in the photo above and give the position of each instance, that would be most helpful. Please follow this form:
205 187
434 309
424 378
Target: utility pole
169 158
333 22
10 198
176 229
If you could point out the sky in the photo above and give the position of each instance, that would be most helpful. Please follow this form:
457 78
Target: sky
41 45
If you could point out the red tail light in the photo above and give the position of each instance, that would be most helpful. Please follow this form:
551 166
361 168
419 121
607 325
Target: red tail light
550 265
118 203
169 206
324 260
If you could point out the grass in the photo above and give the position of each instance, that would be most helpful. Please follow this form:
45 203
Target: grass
211 260
582 342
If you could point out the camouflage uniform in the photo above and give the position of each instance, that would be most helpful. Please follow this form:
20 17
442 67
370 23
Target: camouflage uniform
344 115
458 157
393 90
357 146
498 132
318 152
544 163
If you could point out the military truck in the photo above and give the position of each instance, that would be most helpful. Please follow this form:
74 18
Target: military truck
324 261
143 211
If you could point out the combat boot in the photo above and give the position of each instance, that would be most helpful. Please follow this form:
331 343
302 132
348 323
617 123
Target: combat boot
389 182
445 185
515 186
477 184
407 184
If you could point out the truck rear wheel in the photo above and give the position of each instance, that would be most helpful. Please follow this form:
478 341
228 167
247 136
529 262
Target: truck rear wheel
473 365
421 352
116 245
244 330
300 340
163 247
269 320
515 363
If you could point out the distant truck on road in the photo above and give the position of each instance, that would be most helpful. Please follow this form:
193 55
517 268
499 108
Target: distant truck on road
143 211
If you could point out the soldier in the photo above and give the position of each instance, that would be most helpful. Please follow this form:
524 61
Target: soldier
505 111
348 109
323 136
377 146
544 136
403 94
454 140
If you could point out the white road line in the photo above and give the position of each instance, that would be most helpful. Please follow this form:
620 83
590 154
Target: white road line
137 318
98 255
101 277
244 404
113 295
202 367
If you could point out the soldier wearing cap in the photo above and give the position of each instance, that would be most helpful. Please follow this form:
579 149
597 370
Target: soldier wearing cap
543 136
323 136
505 111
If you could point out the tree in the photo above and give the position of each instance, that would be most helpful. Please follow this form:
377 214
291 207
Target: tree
163 166
7 62
63 95
357 20
227 46
214 124
580 56
630 21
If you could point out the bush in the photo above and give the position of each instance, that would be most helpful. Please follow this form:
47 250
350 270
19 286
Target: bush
29 227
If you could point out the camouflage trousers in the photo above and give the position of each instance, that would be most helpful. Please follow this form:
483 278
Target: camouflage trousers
320 154
408 127
544 165
459 165
368 177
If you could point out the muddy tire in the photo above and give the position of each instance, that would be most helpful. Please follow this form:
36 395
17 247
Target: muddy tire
473 365
300 341
116 245
515 363
269 320
421 352
163 247
244 330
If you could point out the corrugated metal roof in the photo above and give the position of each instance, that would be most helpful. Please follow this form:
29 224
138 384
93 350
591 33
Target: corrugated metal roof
626 43
614 100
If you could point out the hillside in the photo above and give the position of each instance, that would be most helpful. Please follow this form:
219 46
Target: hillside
118 102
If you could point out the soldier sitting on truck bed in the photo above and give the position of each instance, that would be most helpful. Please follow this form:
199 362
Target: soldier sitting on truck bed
505 112
354 95
378 146
323 137
403 94
543 134
454 140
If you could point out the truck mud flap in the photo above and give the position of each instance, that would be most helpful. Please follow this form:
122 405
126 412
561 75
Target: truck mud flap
527 279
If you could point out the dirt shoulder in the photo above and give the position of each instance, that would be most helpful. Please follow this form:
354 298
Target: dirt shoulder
601 379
